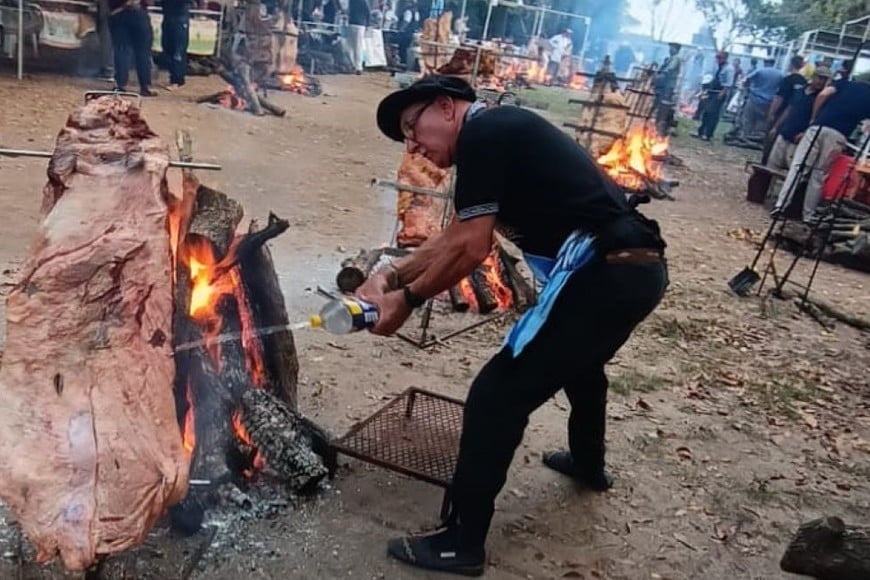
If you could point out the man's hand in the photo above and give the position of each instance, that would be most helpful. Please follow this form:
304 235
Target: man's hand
374 287
798 137
392 312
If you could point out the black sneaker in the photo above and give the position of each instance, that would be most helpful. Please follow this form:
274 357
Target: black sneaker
562 462
439 550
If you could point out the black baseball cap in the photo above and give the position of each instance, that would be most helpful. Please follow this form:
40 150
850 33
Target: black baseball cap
425 89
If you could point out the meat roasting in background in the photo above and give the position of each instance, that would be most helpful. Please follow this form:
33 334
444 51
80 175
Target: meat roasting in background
495 284
102 425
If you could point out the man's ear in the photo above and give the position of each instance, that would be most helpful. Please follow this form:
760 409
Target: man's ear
447 107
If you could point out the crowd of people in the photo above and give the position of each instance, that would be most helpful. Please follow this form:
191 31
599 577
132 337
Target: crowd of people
126 37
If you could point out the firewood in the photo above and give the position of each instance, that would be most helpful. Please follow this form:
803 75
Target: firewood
211 98
828 548
266 301
240 80
457 300
486 302
244 247
829 309
272 107
523 292
284 439
214 216
354 271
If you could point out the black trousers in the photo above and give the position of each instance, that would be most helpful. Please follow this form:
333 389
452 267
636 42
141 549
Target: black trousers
131 39
593 316
710 116
175 36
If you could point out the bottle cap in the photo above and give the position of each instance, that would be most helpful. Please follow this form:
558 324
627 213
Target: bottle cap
315 321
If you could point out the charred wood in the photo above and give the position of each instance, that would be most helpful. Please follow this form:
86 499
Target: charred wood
266 302
271 107
354 271
285 441
486 301
457 300
828 548
523 292
244 247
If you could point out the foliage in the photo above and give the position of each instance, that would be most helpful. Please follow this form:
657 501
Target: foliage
786 19
727 19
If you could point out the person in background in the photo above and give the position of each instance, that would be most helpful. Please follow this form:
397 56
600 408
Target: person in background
359 15
665 82
789 127
837 111
791 86
762 86
844 71
106 72
714 96
175 36
132 36
560 46
738 72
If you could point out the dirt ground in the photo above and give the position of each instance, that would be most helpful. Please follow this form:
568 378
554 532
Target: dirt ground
730 420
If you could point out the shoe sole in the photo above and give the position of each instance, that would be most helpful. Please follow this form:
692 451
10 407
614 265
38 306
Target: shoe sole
472 571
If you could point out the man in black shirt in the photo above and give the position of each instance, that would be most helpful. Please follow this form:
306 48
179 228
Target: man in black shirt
603 271
175 37
790 127
793 84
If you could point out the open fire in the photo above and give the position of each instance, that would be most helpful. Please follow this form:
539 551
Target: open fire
634 160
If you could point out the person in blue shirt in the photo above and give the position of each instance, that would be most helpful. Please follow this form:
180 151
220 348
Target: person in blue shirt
836 113
790 126
714 96
762 85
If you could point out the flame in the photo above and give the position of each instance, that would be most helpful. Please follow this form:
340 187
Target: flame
495 281
535 73
294 81
631 160
188 434
232 100
258 463
578 82
468 293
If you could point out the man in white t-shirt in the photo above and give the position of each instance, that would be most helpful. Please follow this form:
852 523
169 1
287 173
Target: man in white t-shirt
560 45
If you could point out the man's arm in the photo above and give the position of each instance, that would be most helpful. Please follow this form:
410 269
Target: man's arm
820 101
452 256
774 107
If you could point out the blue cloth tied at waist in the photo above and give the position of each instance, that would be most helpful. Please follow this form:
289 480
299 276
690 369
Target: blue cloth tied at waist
576 252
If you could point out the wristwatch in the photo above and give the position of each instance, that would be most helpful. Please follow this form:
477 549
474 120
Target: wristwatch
411 299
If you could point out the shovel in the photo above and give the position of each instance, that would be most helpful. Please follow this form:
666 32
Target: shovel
746 278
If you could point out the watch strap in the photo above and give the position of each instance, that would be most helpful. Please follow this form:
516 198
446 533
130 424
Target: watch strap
411 299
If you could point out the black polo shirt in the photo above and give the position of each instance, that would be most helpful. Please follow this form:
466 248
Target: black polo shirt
541 185
790 87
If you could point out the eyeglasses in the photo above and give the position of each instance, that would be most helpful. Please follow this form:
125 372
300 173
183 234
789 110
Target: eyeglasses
410 125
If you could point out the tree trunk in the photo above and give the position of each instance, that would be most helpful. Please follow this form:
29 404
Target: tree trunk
829 550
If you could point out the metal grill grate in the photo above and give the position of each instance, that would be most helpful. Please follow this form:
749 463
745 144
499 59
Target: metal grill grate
416 434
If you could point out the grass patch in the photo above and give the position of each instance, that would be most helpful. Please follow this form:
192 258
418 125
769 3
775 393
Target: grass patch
781 394
635 382
689 329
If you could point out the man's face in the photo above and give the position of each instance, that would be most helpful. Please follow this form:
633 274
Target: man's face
430 130
818 82
721 58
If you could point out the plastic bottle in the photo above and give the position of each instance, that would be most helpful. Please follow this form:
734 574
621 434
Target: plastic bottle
345 315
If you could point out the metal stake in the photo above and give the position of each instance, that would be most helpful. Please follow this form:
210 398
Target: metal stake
49 155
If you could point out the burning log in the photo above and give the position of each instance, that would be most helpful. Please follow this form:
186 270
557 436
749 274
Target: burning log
486 300
240 80
457 300
523 293
92 453
284 439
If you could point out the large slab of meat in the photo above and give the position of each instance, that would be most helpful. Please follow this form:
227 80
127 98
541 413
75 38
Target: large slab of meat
420 215
89 440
